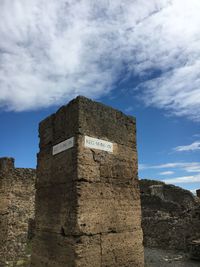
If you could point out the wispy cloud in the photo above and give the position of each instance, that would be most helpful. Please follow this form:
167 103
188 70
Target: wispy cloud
166 173
191 167
196 135
183 179
54 50
192 147
128 109
142 166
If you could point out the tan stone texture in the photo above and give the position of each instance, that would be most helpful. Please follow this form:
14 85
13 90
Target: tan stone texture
88 211
17 192
170 215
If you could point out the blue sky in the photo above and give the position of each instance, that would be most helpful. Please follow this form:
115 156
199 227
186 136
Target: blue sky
137 56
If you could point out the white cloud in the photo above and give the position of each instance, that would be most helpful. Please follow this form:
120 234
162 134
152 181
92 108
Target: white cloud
166 173
192 147
52 50
190 167
184 180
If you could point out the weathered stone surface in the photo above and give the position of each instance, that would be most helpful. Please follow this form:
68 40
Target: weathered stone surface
104 208
100 121
87 201
122 249
170 215
56 207
16 208
195 250
61 251
50 249
171 193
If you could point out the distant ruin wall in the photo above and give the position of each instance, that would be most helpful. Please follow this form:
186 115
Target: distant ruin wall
170 215
88 211
16 208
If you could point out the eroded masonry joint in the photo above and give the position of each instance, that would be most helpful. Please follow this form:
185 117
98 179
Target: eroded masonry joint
17 198
88 210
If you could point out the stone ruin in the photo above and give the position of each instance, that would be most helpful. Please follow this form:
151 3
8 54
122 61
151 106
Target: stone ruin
198 193
88 209
170 217
195 244
87 202
17 192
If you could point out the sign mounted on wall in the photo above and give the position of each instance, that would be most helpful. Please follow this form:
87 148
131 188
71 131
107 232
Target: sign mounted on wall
63 146
91 142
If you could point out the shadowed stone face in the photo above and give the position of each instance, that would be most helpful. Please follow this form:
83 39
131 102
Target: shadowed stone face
87 202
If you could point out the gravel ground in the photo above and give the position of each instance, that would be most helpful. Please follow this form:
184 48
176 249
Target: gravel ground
165 258
153 258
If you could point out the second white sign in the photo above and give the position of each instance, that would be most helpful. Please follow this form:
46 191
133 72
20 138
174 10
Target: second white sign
98 144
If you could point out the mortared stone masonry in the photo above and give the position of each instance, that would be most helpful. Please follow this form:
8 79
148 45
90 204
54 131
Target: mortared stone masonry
88 211
17 201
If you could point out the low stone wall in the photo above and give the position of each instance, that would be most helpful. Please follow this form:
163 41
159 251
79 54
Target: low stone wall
17 191
170 215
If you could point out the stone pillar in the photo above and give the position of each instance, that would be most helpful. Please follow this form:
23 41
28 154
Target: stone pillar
198 193
88 209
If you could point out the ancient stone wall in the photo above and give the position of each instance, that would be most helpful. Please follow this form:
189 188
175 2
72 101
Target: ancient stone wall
16 208
170 215
87 201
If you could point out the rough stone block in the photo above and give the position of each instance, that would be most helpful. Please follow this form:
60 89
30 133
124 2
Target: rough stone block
103 207
52 250
59 169
56 209
62 251
122 249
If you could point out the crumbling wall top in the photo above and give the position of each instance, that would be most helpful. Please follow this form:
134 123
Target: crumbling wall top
7 164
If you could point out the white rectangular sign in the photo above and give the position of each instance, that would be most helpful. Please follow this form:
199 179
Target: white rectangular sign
63 146
98 144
